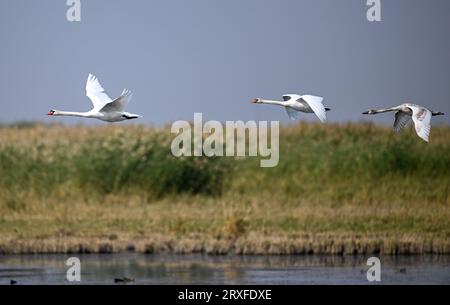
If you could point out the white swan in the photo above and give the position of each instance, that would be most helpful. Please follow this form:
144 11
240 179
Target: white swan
295 103
105 108
421 117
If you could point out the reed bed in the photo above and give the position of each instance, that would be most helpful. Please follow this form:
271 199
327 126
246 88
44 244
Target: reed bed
338 188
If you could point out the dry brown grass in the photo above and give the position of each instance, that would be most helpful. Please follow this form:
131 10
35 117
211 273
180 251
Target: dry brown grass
225 225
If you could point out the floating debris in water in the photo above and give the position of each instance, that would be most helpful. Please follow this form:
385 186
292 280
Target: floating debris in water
123 280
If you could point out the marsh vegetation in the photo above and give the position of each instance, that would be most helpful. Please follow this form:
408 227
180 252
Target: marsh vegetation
339 188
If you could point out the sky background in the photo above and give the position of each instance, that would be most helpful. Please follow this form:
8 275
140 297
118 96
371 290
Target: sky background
213 56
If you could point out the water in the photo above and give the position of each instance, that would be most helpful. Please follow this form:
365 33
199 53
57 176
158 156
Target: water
200 269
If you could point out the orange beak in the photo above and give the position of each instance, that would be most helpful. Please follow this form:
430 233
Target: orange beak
254 100
51 112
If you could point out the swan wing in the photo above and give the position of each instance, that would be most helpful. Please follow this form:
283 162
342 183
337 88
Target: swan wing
289 97
119 103
293 114
422 121
286 98
315 103
96 93
401 120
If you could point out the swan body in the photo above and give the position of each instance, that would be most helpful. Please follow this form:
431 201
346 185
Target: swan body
405 113
294 104
105 108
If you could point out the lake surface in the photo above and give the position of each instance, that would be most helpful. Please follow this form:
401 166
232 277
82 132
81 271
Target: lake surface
202 269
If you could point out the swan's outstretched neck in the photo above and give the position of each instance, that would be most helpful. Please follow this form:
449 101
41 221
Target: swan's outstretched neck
374 111
271 102
68 113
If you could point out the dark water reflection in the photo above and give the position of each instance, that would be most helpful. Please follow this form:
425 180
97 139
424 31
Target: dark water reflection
199 269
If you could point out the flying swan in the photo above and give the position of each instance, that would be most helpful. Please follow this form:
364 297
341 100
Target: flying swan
294 104
421 117
105 108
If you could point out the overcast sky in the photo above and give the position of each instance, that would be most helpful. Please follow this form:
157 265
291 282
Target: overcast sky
212 56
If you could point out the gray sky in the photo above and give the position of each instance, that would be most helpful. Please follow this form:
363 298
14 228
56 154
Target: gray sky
212 56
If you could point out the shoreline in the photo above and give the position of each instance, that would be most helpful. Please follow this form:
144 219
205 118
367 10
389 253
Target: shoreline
335 245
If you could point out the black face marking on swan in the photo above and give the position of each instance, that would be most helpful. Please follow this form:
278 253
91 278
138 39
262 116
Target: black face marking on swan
286 98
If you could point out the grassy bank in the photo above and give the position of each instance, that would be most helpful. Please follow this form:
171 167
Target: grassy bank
348 188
